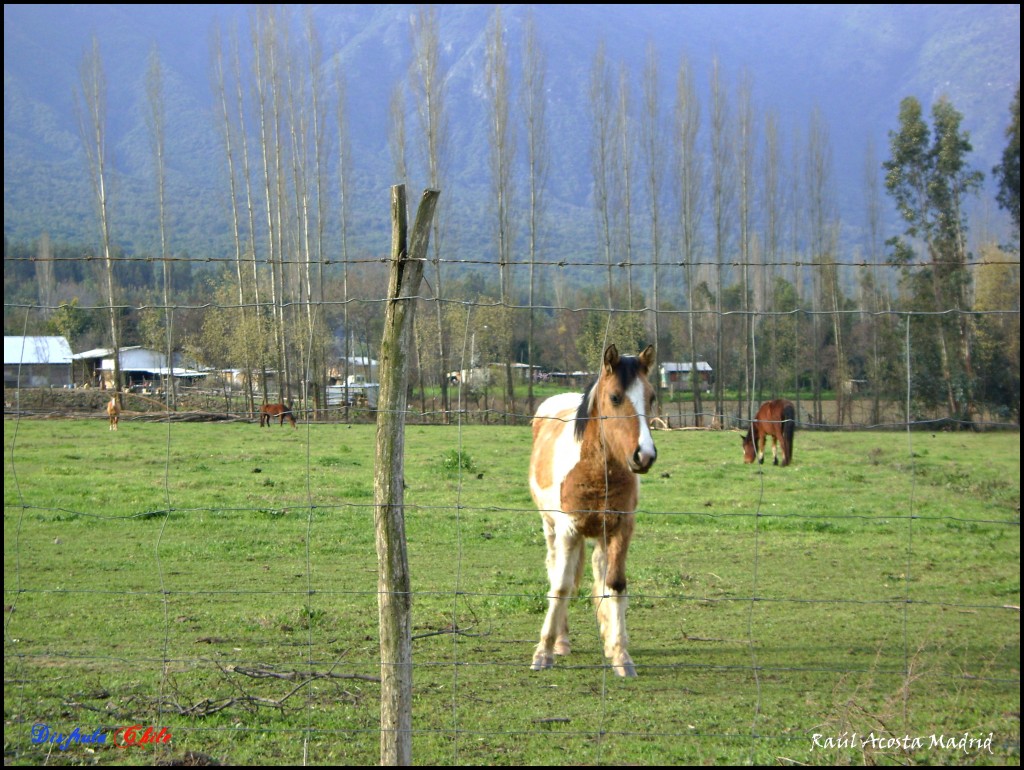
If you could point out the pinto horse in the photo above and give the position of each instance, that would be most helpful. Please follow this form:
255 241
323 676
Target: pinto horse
776 419
113 413
587 453
269 411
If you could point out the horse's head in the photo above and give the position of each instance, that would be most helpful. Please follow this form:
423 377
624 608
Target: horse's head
621 400
749 451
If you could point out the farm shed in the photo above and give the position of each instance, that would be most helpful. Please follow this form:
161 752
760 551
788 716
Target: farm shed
37 362
363 365
141 368
676 376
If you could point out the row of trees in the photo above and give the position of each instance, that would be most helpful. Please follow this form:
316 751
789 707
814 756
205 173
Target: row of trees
716 239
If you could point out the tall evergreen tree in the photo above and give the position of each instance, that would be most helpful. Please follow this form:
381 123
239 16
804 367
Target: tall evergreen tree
929 179
1008 171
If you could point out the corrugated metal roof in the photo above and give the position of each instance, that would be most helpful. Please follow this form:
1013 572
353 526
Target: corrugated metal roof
94 353
668 366
36 350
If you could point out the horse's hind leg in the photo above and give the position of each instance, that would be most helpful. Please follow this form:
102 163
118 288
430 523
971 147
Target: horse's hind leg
610 599
775 450
563 557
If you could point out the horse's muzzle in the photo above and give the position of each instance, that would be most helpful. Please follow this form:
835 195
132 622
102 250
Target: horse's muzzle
641 462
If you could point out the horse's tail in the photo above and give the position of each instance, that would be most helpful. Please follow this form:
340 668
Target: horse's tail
788 429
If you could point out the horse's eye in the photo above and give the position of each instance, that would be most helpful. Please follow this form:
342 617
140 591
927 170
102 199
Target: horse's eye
616 399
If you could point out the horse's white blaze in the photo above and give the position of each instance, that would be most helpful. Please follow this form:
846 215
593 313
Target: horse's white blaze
645 447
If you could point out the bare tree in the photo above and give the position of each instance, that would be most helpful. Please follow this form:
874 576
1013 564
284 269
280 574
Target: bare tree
654 147
345 188
533 101
157 124
745 180
314 265
601 153
430 92
722 200
624 173
689 182
397 145
824 236
797 227
265 85
772 204
228 137
93 124
502 156
259 345
873 292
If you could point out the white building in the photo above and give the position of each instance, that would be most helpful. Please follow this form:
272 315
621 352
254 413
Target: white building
141 368
676 376
37 362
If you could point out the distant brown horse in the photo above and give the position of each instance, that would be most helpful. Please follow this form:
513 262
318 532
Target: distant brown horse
269 411
776 419
113 413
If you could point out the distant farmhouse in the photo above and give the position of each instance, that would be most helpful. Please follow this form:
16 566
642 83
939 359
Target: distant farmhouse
37 362
363 365
676 376
142 369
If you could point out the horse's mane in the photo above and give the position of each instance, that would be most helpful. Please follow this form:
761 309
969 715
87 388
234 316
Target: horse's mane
626 371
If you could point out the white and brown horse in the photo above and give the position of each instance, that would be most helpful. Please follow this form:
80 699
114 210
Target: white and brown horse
587 452
113 413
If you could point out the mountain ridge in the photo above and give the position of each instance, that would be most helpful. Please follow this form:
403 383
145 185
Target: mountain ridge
853 62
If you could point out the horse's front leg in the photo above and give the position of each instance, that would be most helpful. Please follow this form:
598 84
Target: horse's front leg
775 451
562 646
562 563
610 598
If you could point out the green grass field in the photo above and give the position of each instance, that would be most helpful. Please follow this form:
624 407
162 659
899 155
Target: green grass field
219 581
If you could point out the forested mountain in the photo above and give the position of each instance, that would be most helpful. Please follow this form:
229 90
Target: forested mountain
852 63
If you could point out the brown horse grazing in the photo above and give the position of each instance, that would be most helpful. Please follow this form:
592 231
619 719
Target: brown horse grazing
776 419
587 451
269 411
113 413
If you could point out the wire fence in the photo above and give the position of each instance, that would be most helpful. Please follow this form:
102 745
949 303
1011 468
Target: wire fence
242 627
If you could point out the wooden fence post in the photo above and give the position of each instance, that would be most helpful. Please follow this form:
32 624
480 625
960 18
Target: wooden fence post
394 600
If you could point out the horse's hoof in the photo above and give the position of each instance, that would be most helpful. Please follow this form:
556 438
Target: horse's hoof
542 660
562 647
626 670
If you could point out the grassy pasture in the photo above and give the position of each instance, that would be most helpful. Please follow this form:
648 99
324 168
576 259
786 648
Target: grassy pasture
219 581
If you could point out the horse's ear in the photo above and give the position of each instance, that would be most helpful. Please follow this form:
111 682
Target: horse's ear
611 357
647 357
